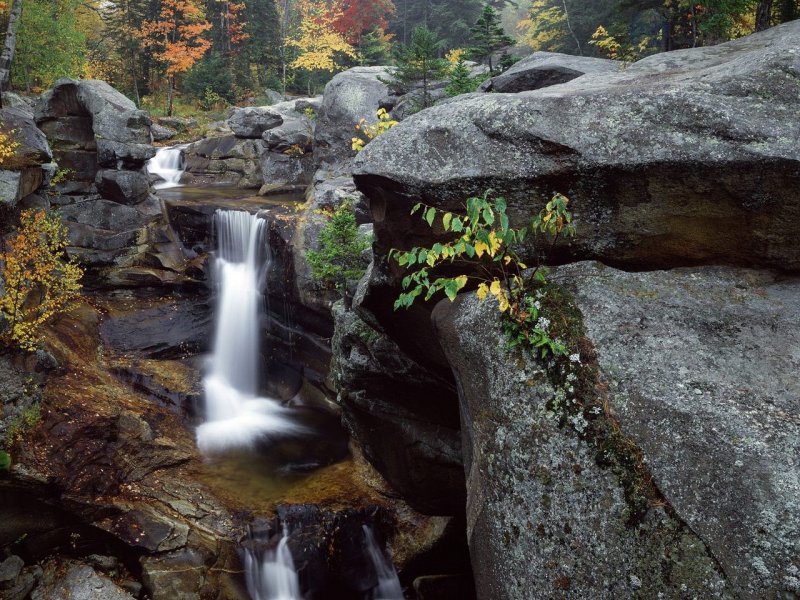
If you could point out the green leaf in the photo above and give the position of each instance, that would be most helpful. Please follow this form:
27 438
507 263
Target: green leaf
422 256
446 221
417 206
488 215
402 259
500 205
458 225
503 222
469 249
430 215
5 461
451 289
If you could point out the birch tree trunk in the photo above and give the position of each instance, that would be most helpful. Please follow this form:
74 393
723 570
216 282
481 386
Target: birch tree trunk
7 57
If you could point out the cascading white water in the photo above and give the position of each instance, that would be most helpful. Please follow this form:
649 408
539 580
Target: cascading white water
388 587
168 164
273 577
235 416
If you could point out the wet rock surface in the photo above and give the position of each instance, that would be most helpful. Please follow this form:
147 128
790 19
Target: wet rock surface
404 418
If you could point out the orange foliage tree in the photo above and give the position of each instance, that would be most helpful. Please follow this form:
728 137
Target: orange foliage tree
39 282
361 16
177 38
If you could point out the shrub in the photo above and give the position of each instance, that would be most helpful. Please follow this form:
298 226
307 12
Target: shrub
367 132
482 250
341 245
39 282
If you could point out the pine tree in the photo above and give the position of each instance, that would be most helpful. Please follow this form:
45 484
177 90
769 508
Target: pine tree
419 62
460 80
489 37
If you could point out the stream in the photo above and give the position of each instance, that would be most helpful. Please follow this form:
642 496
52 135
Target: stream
259 446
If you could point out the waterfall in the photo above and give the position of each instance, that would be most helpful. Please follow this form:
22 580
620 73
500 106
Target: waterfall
236 417
168 164
273 577
388 587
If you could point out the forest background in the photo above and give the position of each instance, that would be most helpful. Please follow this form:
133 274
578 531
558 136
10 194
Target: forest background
195 55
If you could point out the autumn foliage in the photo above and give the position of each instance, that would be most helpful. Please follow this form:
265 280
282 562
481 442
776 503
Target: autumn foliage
7 145
39 282
319 43
177 35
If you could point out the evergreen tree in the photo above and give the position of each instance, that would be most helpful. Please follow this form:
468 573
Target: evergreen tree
419 62
460 80
489 37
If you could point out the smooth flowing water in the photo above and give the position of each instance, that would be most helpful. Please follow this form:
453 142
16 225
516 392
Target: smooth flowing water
168 164
388 587
272 576
236 417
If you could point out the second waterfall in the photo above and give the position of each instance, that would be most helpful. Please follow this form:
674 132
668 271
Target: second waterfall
236 416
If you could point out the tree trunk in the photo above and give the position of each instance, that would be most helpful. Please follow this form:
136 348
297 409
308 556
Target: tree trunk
763 15
170 87
7 56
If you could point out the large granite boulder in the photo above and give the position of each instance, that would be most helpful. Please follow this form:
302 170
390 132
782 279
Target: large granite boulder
76 581
33 149
683 158
676 474
226 159
350 96
543 69
253 121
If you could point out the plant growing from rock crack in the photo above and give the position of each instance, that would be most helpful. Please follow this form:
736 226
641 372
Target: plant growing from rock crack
482 249
341 245
38 281
368 132
8 145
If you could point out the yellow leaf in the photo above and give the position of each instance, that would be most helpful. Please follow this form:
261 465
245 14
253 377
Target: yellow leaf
483 290
506 259
495 288
480 248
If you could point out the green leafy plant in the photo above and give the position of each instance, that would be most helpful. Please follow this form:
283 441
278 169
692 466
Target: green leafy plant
482 250
341 245
5 461
61 176
21 424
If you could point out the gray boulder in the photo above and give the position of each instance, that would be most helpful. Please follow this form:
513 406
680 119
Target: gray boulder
543 69
124 187
162 132
253 121
227 159
117 155
33 149
684 158
281 171
349 97
15 185
79 582
668 470
700 366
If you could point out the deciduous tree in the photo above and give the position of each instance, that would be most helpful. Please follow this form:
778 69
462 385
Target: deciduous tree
177 38
39 282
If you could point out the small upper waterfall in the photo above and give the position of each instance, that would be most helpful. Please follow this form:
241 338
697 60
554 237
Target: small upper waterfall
273 576
168 164
235 416
388 587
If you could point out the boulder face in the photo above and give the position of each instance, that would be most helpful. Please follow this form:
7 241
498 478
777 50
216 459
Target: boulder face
101 142
682 158
253 121
543 69
700 365
350 96
404 418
